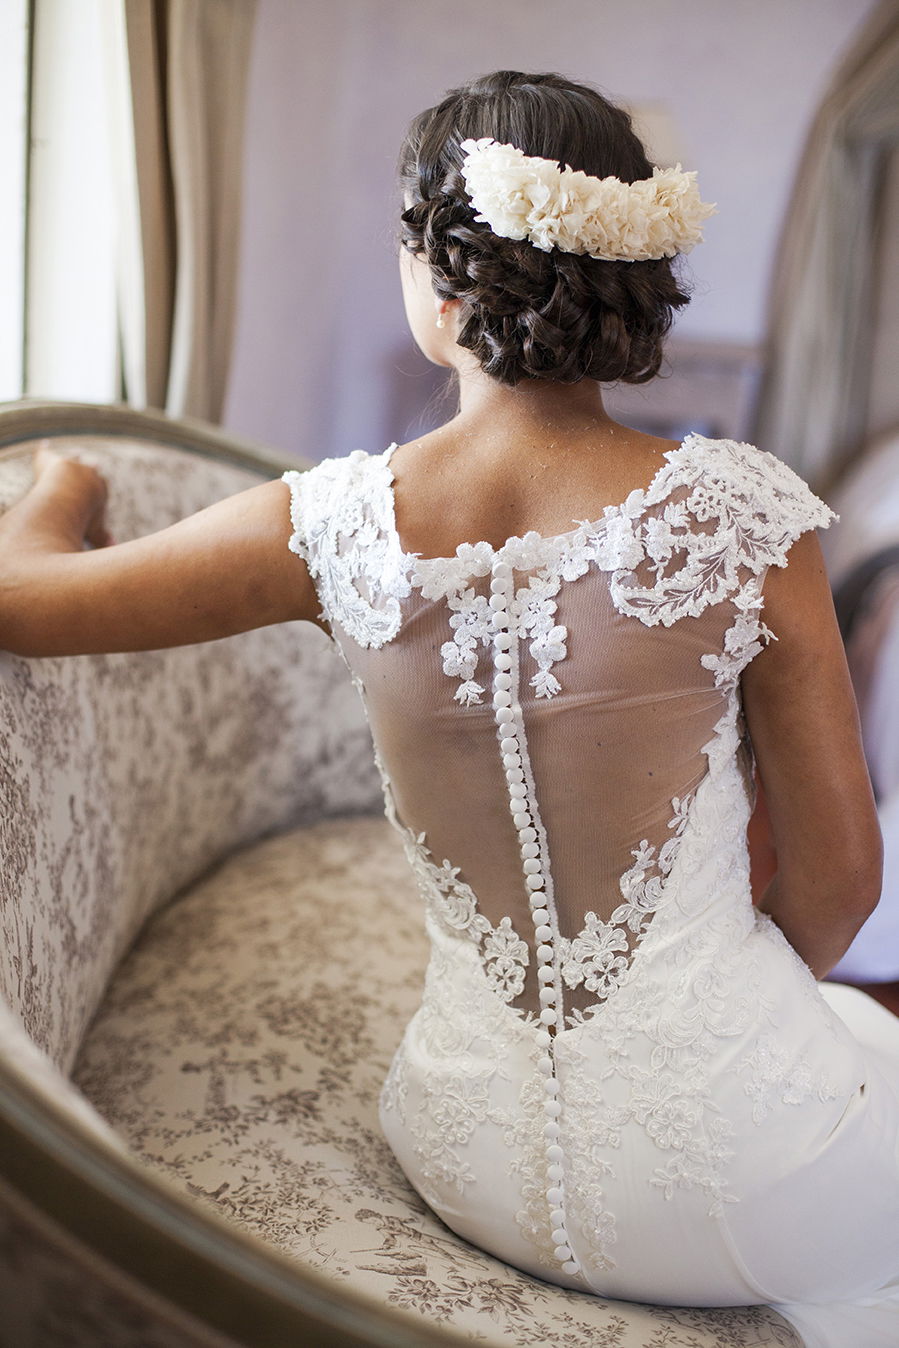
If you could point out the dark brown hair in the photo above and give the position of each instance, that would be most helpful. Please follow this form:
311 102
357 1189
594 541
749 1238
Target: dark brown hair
527 314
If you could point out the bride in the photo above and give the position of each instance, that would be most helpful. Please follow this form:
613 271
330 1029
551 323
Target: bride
572 640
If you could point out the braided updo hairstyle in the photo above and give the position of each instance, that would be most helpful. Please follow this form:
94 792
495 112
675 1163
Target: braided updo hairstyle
525 313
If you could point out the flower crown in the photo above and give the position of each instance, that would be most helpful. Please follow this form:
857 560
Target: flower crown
524 197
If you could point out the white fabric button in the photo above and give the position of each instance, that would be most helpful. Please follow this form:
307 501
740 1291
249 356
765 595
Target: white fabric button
541 918
530 850
534 882
498 601
504 717
554 1171
544 953
502 682
531 865
547 995
552 1087
557 1216
548 1016
543 1039
554 1197
527 835
554 1153
521 822
552 1109
499 621
560 1235
501 570
545 973
502 698
551 1131
562 1252
502 661
517 790
571 1266
498 583
511 760
545 1065
502 640
543 933
516 776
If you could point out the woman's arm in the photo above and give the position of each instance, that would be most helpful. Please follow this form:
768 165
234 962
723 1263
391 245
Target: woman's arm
223 570
803 723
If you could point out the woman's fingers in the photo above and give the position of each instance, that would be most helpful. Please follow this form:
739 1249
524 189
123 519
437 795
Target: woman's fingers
74 477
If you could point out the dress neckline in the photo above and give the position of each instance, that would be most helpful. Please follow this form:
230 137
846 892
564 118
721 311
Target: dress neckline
515 542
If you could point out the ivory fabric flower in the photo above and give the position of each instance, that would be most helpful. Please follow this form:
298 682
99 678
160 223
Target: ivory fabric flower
526 197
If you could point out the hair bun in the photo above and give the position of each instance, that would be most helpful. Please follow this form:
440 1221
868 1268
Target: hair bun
528 313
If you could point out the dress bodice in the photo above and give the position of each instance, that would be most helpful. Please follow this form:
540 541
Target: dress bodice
544 711
558 726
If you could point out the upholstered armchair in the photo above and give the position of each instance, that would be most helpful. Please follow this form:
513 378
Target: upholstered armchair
210 948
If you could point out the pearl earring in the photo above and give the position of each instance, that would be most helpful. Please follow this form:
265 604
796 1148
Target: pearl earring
441 320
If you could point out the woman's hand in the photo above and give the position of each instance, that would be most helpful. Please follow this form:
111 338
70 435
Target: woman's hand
78 484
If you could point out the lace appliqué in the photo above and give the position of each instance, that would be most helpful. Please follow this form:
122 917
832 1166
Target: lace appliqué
344 527
775 1076
755 507
342 530
599 956
454 906
532 606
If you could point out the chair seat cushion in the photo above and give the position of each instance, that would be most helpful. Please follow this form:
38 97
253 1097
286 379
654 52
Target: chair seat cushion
241 1049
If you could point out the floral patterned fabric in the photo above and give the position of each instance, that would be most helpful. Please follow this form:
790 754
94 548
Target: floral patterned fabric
226 1053
229 1056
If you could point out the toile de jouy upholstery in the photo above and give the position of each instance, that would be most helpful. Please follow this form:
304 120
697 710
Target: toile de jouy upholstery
196 871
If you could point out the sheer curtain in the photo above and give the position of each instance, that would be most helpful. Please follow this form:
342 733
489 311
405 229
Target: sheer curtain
812 406
178 79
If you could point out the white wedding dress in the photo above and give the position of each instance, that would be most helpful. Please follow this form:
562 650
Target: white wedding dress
622 1078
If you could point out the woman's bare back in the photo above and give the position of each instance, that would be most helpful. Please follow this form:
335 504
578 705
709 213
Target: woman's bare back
457 486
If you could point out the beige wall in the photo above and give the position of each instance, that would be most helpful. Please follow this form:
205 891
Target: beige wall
321 346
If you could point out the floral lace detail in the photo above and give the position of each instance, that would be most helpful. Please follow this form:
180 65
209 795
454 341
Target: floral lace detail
505 960
757 508
743 640
599 956
774 1075
395 1090
344 527
530 617
341 528
466 1035
453 905
470 622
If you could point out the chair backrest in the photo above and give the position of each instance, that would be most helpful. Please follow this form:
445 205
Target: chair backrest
124 777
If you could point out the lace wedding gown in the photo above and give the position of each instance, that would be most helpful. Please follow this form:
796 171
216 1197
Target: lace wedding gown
622 1078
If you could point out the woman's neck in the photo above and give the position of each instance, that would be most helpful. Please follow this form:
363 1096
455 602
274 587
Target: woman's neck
534 405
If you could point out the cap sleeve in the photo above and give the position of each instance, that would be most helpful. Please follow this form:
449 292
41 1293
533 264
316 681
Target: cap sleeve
340 512
780 507
719 513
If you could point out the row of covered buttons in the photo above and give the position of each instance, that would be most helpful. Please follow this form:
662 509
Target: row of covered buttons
510 747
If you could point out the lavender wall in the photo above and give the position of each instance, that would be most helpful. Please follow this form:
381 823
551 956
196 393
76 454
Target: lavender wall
322 362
